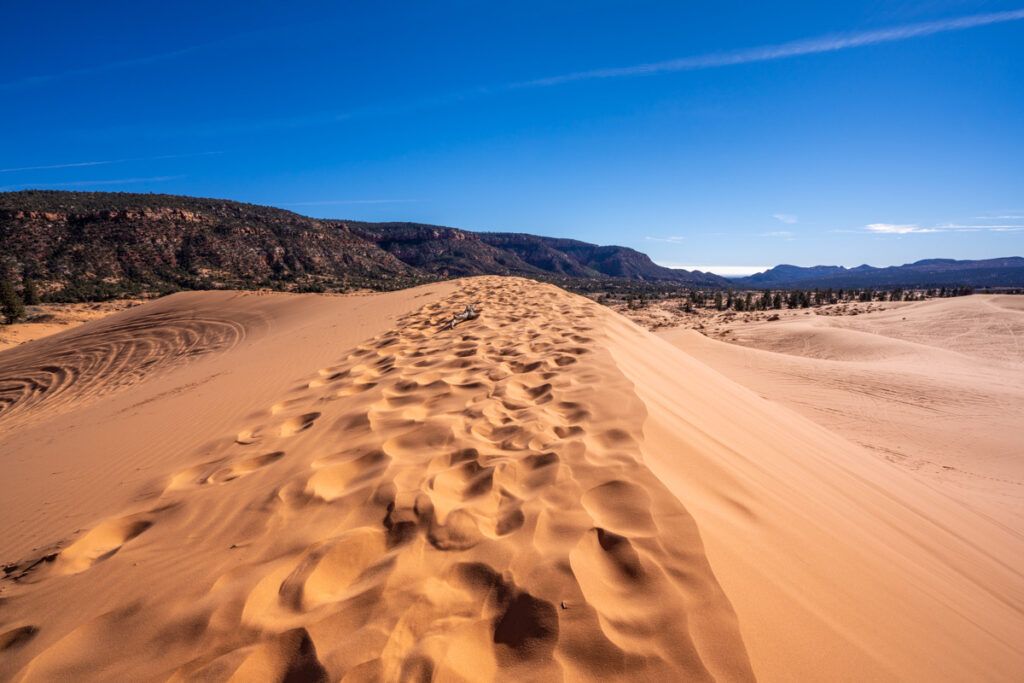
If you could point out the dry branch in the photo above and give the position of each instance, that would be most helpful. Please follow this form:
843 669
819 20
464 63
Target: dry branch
469 314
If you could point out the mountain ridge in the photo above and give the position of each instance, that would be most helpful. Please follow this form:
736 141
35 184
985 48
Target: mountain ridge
79 246
85 245
932 272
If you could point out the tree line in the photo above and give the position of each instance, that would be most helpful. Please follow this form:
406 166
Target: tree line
765 300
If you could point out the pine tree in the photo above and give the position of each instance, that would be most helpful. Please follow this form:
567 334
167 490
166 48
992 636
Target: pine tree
29 292
10 303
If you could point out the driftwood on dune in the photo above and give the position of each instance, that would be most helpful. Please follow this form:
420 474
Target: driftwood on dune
470 313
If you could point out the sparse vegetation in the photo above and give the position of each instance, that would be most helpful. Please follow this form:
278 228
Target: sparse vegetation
714 312
11 306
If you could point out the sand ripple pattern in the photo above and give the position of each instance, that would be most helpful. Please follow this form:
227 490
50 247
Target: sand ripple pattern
106 358
462 505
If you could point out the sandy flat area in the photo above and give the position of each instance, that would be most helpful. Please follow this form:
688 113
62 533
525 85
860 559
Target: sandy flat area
230 486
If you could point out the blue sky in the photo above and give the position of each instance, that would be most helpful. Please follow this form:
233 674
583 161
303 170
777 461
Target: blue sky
703 133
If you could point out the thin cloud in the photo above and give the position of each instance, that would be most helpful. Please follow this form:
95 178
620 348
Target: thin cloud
329 202
895 229
914 229
787 218
107 162
784 234
809 46
144 60
41 79
797 48
672 239
89 183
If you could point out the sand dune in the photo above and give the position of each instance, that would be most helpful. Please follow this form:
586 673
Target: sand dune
44 320
242 487
934 387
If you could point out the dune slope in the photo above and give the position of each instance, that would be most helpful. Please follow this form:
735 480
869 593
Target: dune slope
935 387
840 565
345 491
461 504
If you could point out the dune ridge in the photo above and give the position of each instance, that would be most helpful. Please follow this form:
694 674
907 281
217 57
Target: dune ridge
457 504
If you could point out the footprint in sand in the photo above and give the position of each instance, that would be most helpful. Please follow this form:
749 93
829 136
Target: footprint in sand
101 542
294 425
336 477
216 472
17 637
243 467
620 507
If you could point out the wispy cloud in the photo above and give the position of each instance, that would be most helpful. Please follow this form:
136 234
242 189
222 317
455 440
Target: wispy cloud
809 46
330 202
914 229
784 234
92 183
41 79
829 43
673 239
896 229
106 162
787 218
131 62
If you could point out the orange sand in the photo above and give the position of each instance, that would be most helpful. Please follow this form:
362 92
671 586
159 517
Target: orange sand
233 486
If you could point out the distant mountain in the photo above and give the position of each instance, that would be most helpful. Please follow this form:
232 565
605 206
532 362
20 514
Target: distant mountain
85 245
451 252
999 272
95 244
581 259
441 251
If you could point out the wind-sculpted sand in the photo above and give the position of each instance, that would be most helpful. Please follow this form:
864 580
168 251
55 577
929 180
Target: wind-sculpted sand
68 369
935 387
347 491
459 504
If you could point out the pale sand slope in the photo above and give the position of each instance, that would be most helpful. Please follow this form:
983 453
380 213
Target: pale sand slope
546 492
936 387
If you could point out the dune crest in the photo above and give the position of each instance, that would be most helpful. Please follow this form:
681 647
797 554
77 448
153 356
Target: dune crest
458 504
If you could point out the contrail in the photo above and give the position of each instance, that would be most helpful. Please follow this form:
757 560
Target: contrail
88 183
99 68
328 202
132 62
106 162
810 46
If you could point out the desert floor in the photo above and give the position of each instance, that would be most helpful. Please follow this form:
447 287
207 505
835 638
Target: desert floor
221 485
